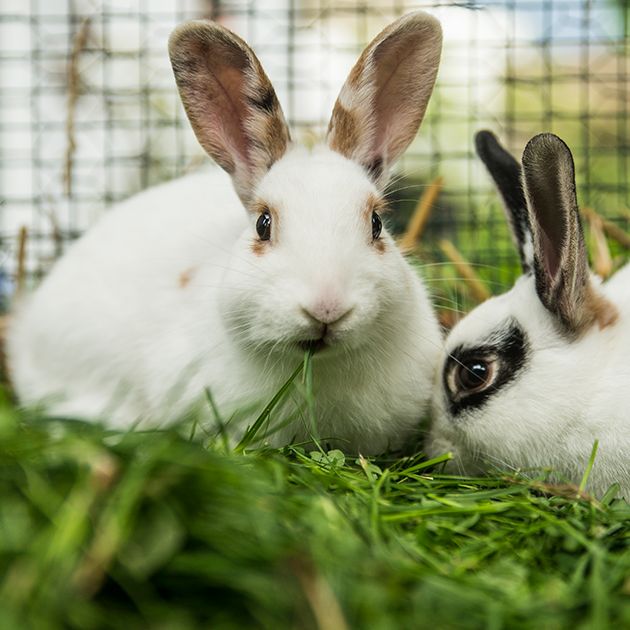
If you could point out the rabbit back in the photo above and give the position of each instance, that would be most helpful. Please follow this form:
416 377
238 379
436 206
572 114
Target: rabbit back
124 288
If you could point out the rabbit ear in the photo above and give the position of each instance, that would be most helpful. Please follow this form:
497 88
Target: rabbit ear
563 281
506 173
229 101
384 98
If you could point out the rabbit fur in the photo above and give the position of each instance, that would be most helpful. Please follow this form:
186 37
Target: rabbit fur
175 292
531 378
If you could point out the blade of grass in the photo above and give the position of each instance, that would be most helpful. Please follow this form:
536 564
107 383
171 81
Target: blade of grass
252 431
426 464
218 418
307 382
599 593
589 468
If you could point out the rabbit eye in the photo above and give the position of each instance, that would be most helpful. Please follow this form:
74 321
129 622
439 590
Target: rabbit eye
263 226
377 226
472 375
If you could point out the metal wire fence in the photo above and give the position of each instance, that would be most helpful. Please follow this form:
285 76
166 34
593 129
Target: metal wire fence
89 112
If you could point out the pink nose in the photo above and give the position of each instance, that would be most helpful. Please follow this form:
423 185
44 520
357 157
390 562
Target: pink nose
327 311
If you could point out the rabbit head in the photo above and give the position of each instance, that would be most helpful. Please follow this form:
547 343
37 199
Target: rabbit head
519 379
314 265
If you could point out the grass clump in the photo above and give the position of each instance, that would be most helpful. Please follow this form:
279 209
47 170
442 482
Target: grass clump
153 530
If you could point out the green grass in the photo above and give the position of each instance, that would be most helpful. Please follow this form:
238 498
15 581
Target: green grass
157 530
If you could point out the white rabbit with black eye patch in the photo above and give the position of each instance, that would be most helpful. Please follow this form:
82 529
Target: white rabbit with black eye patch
199 284
531 378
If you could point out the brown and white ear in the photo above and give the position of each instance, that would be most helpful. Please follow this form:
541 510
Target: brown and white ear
231 105
383 100
563 279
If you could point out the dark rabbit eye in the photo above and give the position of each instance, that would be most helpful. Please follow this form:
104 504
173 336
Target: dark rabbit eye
471 376
263 226
377 225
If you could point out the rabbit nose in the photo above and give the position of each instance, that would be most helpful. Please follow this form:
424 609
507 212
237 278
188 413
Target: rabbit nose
327 312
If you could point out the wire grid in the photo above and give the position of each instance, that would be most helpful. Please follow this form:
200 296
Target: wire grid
516 67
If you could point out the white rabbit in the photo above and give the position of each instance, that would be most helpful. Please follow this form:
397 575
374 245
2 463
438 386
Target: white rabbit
189 286
531 378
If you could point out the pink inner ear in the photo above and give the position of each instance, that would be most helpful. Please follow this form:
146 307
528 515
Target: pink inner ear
401 88
551 257
227 117
229 101
211 75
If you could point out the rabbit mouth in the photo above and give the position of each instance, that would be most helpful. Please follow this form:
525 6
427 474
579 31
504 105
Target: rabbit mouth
313 345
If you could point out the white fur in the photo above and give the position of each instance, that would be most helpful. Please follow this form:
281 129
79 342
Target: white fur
111 334
173 292
568 395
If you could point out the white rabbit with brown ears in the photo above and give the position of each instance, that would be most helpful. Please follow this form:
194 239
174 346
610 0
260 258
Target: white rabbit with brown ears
199 284
531 378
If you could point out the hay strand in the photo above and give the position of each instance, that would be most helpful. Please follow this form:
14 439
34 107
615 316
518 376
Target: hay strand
74 83
610 229
602 260
4 371
476 287
20 274
420 216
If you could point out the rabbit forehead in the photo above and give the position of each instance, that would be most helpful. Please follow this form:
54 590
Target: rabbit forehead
519 304
306 184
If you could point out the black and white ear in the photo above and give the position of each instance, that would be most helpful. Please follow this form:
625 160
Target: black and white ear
385 96
506 173
563 279
231 105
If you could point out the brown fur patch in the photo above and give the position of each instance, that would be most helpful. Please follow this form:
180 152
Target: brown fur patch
276 139
379 245
259 247
599 309
186 276
592 308
265 126
343 130
375 204
358 70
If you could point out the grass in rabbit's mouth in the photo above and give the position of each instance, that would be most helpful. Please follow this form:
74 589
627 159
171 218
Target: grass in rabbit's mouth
313 345
155 530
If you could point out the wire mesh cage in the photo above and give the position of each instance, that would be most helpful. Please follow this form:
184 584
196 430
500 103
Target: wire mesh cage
89 112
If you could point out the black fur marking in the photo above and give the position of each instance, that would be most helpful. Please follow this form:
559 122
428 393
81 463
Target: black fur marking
375 169
506 173
509 344
266 103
